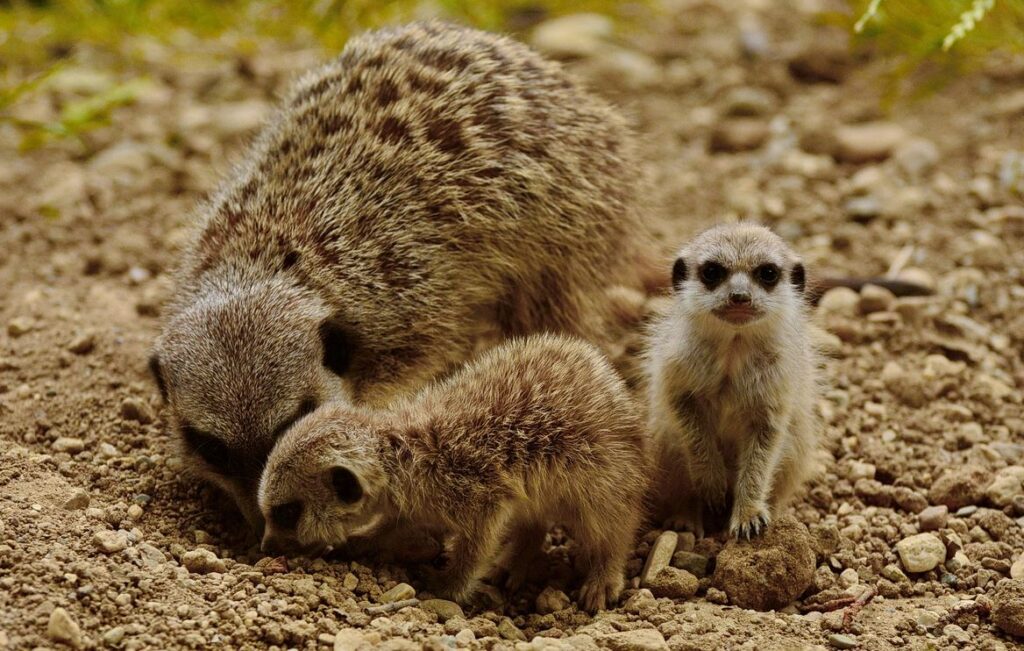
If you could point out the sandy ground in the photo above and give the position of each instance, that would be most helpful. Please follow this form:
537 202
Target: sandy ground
105 541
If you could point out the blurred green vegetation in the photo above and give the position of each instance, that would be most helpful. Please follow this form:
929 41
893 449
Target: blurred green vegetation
931 41
39 37
38 30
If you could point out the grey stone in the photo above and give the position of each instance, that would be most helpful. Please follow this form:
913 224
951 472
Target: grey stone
659 557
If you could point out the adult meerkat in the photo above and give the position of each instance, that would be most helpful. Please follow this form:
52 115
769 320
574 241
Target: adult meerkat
734 381
536 431
432 188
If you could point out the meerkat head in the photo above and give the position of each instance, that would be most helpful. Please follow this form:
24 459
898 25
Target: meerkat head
737 276
237 369
324 482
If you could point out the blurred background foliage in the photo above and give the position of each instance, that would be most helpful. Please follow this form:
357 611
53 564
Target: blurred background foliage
929 42
39 37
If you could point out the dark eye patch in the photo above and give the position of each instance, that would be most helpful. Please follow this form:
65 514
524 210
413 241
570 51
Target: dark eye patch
767 275
346 485
210 448
286 516
712 274
307 407
337 347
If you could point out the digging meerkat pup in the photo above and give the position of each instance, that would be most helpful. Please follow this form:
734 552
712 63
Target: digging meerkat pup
734 381
432 188
536 431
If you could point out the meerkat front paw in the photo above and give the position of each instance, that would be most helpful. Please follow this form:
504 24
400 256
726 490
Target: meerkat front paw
600 592
749 521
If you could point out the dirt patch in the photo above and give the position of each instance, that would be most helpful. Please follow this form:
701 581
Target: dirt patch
96 515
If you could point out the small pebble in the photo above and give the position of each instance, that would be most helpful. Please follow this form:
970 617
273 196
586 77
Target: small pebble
933 518
674 583
68 444
400 592
921 552
19 326
551 601
78 500
114 636
1017 569
849 577
350 581
62 628
443 608
83 344
509 631
842 641
110 542
659 557
202 561
136 410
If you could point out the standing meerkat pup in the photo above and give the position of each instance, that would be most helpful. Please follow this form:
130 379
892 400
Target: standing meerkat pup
537 431
432 188
734 381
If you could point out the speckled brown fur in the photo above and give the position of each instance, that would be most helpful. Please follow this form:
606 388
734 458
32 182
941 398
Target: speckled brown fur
537 431
432 188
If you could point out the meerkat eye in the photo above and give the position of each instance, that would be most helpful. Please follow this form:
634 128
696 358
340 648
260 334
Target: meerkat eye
798 277
346 485
337 347
767 275
678 273
286 516
158 376
212 451
712 274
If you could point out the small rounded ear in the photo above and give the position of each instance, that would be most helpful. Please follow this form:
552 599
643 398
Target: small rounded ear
337 347
346 485
158 376
678 274
798 277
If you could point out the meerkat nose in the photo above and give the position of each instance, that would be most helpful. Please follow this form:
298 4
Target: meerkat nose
270 544
739 298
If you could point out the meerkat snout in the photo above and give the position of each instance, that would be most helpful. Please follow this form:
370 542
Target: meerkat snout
269 335
320 488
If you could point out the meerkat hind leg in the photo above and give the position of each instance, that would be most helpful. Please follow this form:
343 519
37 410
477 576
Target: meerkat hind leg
604 544
472 554
522 552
